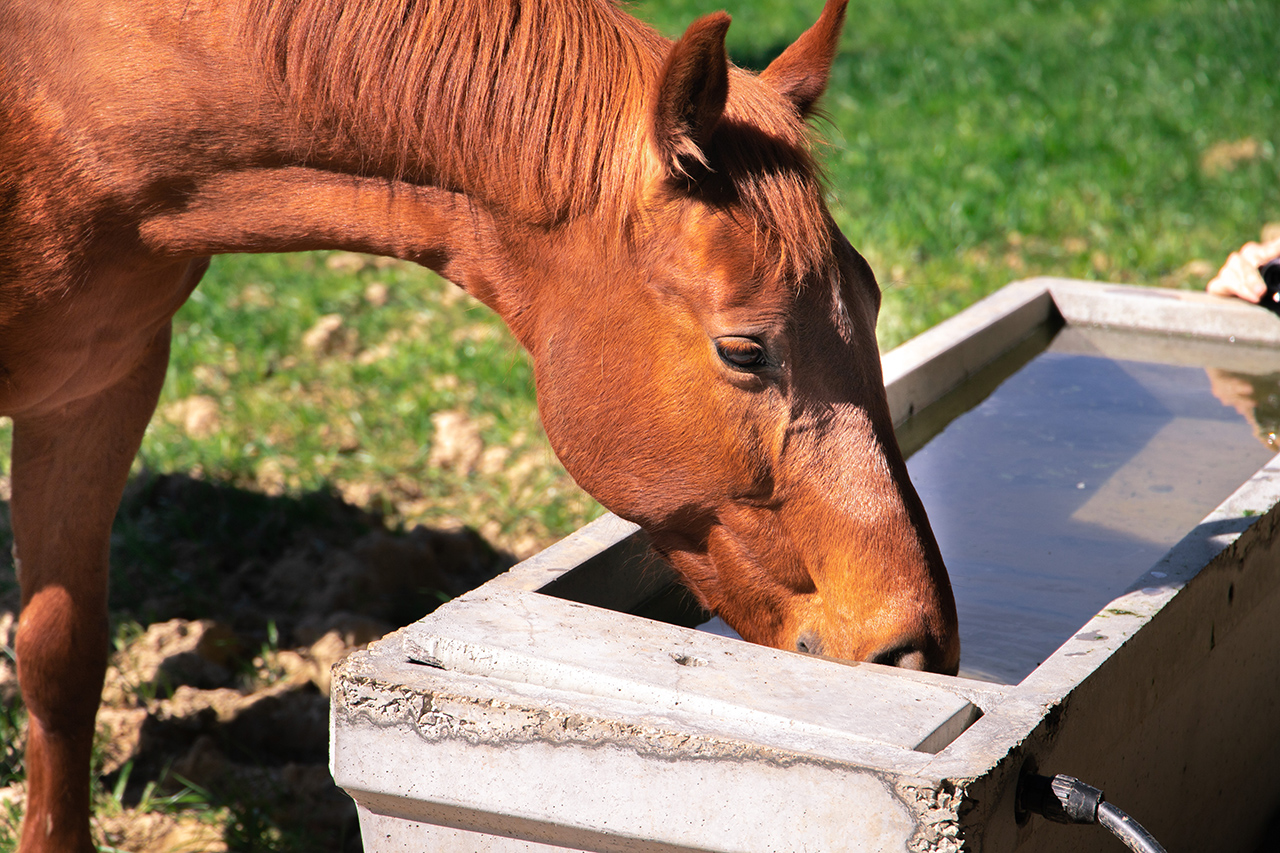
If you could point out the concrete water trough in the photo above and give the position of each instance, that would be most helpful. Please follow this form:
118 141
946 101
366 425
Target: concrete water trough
1119 593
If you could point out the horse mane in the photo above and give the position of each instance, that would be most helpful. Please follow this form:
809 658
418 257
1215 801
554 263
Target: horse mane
538 107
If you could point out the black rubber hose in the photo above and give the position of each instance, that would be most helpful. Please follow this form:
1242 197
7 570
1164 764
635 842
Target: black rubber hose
1127 829
1065 799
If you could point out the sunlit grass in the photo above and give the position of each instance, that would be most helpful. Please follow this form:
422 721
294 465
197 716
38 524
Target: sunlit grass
288 410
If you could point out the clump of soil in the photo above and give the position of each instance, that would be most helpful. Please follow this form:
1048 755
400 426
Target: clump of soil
231 607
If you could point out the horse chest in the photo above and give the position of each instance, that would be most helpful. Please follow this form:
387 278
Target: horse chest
67 342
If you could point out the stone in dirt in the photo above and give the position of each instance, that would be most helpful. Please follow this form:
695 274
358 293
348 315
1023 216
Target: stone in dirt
231 743
296 794
329 336
391 577
456 444
342 636
198 415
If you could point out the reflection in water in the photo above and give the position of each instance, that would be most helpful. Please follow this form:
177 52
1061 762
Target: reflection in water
1256 398
1052 495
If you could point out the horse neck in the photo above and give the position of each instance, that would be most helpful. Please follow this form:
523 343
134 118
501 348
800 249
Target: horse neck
364 130
534 108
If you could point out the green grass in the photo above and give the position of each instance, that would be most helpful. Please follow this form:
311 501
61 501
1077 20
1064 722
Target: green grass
359 417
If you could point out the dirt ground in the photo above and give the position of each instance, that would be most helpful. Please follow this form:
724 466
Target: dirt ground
230 608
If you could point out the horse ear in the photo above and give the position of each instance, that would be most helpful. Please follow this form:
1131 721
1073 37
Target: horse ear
692 92
800 74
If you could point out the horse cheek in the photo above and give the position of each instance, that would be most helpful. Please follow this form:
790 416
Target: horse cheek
589 430
620 440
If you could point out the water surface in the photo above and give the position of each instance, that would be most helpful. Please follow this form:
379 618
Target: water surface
1077 473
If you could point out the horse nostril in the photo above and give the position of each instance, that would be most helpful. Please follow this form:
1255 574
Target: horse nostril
904 655
809 643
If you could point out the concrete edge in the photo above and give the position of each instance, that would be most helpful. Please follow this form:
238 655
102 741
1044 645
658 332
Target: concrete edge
550 563
1158 309
934 362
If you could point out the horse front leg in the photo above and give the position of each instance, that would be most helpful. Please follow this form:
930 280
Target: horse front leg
69 471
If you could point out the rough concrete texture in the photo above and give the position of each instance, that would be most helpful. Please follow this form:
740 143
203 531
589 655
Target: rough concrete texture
475 758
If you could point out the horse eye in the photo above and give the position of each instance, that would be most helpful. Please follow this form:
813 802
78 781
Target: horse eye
742 353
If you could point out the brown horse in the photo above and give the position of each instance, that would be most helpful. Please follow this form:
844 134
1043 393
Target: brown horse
647 219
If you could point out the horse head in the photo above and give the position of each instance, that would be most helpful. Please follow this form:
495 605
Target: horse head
724 390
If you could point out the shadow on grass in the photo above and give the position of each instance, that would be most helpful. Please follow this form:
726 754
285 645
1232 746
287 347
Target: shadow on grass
238 736
187 548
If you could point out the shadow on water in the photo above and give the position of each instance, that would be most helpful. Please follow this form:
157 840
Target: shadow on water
1208 530
1052 495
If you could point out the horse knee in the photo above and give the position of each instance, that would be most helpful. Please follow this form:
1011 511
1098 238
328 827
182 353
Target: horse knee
61 648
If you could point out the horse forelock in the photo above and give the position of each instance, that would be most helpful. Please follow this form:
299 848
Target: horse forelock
539 108
762 154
